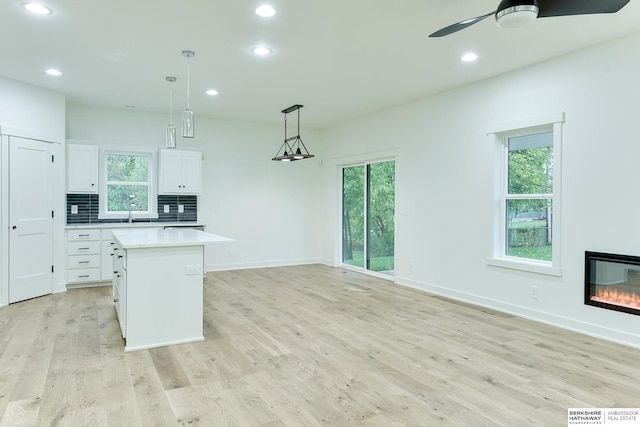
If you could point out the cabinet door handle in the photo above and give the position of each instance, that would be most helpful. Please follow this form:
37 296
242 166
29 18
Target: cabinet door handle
84 235
119 256
83 249
116 300
84 275
84 262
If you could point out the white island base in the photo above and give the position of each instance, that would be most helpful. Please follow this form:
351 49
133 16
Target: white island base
158 286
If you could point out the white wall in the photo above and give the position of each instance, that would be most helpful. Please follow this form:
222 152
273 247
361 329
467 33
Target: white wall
268 207
36 113
445 184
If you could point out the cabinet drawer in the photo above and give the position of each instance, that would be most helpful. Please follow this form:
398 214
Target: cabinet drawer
83 275
83 261
107 257
77 248
120 255
83 235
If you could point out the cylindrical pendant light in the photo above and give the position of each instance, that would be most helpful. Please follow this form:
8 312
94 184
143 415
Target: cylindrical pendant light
171 129
187 114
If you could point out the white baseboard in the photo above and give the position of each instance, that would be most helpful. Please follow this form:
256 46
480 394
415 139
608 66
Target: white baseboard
585 328
262 264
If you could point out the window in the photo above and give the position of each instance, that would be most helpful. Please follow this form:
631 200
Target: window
368 208
529 196
528 202
127 183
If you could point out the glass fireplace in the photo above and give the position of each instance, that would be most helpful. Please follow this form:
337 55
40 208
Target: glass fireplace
612 281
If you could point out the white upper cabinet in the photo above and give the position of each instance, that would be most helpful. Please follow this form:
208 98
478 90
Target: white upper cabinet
82 169
180 172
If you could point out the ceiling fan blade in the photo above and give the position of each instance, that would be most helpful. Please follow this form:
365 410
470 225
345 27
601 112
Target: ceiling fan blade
578 7
460 25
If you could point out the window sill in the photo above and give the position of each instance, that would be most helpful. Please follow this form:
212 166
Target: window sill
522 265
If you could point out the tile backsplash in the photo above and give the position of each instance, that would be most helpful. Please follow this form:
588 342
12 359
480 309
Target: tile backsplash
88 208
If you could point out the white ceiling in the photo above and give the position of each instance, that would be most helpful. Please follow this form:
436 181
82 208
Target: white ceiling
339 58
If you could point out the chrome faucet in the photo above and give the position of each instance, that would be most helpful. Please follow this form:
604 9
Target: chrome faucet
132 203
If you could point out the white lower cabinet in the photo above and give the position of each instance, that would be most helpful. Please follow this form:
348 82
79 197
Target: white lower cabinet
83 256
119 287
107 254
158 303
89 256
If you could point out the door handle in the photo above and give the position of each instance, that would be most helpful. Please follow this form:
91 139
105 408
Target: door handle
14 227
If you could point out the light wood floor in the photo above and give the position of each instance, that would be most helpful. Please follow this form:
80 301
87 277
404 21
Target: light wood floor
304 346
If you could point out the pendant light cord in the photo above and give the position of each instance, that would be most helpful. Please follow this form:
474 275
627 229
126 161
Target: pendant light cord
188 80
170 102
285 127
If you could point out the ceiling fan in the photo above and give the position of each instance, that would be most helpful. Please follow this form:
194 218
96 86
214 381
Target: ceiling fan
517 13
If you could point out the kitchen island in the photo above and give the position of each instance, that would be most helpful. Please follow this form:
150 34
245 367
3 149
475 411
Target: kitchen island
158 285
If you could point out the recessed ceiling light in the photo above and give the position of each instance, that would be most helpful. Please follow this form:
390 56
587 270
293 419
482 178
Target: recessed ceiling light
265 11
261 50
37 8
212 92
54 72
469 57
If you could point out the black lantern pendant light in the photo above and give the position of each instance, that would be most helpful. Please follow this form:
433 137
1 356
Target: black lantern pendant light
291 151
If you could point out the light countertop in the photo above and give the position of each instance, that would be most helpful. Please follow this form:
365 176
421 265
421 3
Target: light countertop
132 238
133 225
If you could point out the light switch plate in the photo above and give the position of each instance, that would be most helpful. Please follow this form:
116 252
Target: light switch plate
74 209
166 208
180 208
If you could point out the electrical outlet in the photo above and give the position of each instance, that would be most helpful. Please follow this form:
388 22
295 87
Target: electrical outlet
192 270
533 292
180 208
166 208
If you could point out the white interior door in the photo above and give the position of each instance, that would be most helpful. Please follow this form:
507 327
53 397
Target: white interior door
30 219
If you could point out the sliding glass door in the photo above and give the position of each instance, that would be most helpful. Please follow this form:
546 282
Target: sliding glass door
368 208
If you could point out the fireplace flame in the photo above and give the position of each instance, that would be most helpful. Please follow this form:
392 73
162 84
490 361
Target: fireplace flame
617 297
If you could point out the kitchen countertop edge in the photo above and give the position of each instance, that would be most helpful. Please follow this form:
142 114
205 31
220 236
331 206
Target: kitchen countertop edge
133 238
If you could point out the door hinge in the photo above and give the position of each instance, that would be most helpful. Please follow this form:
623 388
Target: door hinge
52 157
51 214
52 268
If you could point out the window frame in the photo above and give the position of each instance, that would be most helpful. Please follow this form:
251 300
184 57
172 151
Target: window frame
499 135
152 192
